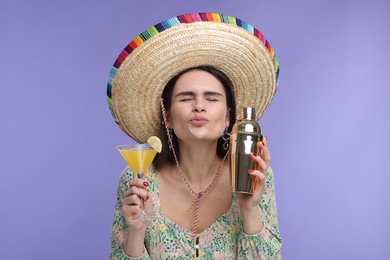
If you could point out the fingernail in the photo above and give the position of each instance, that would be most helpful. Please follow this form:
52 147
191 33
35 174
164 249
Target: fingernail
147 197
250 170
145 183
254 154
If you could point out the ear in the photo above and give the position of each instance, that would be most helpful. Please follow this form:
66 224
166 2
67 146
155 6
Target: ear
168 119
227 119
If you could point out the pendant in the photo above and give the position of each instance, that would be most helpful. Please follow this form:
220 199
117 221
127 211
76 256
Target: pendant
197 246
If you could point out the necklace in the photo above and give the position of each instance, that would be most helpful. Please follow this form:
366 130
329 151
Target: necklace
198 195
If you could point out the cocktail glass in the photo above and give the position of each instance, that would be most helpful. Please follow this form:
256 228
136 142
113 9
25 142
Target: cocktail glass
139 157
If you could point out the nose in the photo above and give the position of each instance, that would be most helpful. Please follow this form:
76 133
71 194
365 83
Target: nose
199 106
199 109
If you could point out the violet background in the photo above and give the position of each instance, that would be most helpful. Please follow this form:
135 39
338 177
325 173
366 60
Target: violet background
328 126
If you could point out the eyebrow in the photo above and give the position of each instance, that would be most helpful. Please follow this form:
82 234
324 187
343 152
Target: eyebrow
206 93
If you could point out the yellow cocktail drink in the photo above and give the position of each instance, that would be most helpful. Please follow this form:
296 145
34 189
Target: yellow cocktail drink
139 159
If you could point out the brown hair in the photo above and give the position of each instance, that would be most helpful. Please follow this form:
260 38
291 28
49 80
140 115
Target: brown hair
166 156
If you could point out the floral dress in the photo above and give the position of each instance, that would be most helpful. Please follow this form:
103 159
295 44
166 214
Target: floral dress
223 239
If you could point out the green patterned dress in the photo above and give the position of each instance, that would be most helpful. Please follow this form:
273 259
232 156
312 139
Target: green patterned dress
223 239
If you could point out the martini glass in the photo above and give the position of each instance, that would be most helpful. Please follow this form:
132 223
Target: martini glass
139 157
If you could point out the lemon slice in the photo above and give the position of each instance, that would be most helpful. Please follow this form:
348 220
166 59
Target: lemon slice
155 142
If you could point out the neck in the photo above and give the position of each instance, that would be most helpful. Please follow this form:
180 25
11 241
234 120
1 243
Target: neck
199 164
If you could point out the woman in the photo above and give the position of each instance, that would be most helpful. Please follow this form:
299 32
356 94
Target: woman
188 188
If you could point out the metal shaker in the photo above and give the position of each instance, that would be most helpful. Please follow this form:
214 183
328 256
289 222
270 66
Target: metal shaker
243 141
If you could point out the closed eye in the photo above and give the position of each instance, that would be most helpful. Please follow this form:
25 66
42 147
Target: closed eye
184 96
209 96
213 96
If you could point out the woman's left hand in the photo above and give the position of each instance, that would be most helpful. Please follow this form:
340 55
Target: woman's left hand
262 161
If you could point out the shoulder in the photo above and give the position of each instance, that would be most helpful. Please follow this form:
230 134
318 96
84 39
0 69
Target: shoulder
152 177
270 171
152 174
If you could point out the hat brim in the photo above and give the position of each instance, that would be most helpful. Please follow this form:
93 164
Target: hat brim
153 58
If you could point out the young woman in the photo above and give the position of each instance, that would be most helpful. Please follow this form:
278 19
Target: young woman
188 187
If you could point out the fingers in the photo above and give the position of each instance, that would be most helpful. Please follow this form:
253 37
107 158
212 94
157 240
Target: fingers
137 190
137 187
258 181
134 198
264 152
139 183
257 173
130 212
263 160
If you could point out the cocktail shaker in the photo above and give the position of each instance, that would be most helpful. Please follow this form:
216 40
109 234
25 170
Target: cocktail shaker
243 141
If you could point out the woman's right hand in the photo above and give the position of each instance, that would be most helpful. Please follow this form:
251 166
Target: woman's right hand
132 203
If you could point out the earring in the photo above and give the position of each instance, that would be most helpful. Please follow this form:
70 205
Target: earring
225 138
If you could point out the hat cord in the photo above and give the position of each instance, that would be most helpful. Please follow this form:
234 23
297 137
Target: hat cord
200 194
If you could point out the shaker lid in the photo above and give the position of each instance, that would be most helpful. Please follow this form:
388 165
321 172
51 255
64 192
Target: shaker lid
248 113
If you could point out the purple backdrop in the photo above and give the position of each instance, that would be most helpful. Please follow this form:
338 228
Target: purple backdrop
327 127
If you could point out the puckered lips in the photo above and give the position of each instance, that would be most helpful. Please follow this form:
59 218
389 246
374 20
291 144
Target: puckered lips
198 120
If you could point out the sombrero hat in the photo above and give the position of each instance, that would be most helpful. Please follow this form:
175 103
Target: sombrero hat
148 62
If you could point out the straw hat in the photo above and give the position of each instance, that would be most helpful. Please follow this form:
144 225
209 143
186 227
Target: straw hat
145 66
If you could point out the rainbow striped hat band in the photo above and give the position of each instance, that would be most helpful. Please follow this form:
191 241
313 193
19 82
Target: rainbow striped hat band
150 60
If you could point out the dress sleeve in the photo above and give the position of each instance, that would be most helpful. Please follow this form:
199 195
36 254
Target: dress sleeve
267 243
119 226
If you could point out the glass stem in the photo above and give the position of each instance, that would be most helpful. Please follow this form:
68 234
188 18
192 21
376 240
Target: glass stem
143 213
